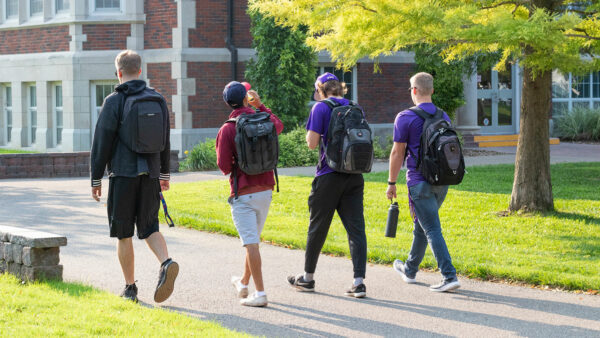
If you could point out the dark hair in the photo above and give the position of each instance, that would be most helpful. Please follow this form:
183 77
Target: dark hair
333 88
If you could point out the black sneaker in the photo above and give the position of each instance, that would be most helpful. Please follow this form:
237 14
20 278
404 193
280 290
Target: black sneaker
166 280
299 283
130 293
357 291
446 285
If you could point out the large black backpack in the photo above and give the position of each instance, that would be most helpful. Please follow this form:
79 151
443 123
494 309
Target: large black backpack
143 122
349 139
256 144
440 159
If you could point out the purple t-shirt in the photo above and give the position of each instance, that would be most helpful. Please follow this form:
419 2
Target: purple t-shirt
407 129
318 121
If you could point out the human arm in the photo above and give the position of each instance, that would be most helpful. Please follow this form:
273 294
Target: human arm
257 103
312 139
165 155
105 135
224 147
315 126
396 160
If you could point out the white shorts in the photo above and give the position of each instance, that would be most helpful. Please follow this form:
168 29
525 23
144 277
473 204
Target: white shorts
249 214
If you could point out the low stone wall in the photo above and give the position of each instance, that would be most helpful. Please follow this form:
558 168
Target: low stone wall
30 254
54 165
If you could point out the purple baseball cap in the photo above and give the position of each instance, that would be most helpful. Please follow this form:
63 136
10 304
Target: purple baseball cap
324 78
234 94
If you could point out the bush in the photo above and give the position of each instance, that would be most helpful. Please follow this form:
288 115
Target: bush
578 125
383 152
202 157
293 151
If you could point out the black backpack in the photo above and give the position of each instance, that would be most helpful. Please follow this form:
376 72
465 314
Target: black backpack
256 144
349 139
143 122
440 159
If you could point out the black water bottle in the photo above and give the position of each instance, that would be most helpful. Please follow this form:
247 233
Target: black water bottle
392 220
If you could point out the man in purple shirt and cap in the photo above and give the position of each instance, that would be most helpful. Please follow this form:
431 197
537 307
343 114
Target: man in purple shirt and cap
331 191
424 199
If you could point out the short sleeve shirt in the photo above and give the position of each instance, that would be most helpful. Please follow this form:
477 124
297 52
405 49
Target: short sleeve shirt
318 121
408 127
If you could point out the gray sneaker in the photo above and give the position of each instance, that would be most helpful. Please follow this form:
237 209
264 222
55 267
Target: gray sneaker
399 267
237 284
446 285
166 280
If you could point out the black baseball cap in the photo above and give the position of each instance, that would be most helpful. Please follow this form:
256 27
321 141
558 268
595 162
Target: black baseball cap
234 94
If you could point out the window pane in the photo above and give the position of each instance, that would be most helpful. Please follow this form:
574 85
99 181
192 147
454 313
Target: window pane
8 124
484 112
36 6
596 84
59 125
12 8
559 108
560 84
505 112
32 97
62 5
581 86
505 78
8 96
581 105
59 96
33 119
102 91
108 4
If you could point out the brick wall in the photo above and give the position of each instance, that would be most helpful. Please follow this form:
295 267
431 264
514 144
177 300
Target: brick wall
161 18
385 94
35 40
211 24
207 106
241 29
159 75
106 37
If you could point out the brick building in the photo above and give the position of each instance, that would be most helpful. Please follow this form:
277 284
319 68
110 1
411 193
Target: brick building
56 67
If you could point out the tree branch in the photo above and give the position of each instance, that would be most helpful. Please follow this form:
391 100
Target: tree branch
361 5
516 3
582 36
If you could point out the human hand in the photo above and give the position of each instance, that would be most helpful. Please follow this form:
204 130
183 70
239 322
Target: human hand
164 185
256 103
391 192
96 193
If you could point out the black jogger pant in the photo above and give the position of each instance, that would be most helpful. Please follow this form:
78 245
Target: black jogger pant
344 193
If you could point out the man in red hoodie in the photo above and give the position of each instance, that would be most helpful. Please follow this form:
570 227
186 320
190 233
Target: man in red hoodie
249 209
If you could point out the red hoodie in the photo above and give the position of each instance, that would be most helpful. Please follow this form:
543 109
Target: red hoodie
225 146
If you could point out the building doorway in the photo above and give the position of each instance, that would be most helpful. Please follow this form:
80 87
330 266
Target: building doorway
497 109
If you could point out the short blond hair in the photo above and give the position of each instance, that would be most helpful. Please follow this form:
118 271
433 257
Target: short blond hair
423 82
129 62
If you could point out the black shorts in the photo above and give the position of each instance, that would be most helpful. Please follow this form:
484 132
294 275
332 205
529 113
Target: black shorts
133 200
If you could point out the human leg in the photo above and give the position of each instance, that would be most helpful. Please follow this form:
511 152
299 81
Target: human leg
350 209
126 258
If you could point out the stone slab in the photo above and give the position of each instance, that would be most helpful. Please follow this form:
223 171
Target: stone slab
17 253
32 238
41 256
1 250
14 268
2 265
7 252
31 273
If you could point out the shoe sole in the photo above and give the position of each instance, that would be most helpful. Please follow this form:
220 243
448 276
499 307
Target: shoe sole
254 305
166 289
449 287
303 289
243 293
356 294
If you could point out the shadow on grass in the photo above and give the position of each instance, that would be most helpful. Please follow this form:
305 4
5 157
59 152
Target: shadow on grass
576 217
71 289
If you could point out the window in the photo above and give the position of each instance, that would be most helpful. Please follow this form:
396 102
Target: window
62 5
36 7
575 91
107 5
8 112
32 114
99 92
346 77
12 9
580 87
58 114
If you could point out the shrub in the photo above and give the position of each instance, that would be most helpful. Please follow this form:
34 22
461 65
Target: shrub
578 125
202 157
293 151
383 152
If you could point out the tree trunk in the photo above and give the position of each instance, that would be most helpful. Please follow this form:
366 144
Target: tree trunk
532 187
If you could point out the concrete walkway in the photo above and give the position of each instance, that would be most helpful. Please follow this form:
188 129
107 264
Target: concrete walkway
207 261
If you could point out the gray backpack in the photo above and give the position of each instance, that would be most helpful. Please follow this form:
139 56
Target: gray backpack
256 144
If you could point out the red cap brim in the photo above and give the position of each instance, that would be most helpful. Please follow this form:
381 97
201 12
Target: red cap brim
247 85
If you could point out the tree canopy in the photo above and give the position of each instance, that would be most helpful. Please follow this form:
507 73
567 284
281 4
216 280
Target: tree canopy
540 34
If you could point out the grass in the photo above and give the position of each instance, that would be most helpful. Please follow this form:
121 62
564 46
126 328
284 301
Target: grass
15 151
66 309
559 249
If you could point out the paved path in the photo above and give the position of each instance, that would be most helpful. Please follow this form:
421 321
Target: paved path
207 261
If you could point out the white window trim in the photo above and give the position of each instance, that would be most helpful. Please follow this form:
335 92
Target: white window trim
31 138
5 12
95 110
590 100
7 110
105 11
56 11
55 111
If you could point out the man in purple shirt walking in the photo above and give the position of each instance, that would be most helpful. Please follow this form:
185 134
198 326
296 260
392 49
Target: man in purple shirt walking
332 191
424 199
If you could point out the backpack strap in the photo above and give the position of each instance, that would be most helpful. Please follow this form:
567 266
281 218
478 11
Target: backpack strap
332 104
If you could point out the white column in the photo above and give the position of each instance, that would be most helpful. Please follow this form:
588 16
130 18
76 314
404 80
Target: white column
3 137
19 126
43 135
23 11
77 37
466 121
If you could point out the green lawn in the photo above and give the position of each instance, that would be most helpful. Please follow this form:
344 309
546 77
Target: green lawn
15 151
560 249
66 309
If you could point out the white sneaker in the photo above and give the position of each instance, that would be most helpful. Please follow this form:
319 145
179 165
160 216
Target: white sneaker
399 268
254 301
445 285
242 292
